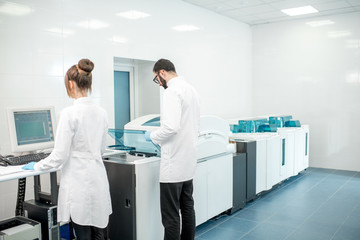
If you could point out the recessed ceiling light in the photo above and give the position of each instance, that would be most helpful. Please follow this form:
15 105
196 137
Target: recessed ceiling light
299 10
353 78
15 9
352 43
93 24
133 15
118 39
60 31
338 34
185 28
320 23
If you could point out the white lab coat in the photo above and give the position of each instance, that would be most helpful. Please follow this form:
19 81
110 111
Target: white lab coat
179 131
84 188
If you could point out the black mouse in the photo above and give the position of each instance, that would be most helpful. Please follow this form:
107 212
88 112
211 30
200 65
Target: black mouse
3 164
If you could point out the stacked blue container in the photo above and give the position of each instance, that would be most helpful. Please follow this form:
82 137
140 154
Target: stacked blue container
243 126
252 125
284 121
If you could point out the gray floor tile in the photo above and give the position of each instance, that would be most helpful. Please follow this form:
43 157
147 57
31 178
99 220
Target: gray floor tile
312 231
286 220
221 233
237 224
268 231
301 210
356 211
264 206
350 230
212 223
343 173
253 215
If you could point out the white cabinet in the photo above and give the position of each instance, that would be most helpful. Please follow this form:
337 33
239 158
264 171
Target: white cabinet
148 213
273 159
288 148
200 192
261 165
299 150
213 187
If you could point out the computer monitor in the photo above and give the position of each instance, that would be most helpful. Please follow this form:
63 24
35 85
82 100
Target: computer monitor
31 129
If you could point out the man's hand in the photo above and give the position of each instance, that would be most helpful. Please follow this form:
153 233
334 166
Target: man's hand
147 136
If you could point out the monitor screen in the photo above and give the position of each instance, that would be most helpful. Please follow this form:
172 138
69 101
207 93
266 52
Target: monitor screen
31 129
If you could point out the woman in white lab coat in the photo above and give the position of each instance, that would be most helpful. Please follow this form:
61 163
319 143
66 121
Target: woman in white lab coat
84 196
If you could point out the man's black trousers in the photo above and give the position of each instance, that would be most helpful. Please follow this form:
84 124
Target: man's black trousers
177 206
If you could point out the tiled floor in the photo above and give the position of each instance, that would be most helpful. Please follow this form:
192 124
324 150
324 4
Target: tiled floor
318 204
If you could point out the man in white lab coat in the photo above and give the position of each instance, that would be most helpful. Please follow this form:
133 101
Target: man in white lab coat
177 136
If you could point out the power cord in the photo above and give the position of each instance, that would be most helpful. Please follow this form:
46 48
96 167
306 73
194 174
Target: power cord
19 211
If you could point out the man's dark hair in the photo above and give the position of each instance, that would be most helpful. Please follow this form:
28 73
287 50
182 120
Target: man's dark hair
164 64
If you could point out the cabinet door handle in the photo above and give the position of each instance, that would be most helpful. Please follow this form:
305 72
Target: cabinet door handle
127 203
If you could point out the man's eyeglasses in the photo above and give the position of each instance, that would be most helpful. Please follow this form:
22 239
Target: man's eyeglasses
155 80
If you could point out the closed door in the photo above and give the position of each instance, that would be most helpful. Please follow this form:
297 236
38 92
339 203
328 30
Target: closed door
121 98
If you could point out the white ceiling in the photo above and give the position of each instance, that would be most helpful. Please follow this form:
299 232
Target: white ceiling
254 12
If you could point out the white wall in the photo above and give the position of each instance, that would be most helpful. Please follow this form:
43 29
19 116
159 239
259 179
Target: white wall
313 73
148 92
38 48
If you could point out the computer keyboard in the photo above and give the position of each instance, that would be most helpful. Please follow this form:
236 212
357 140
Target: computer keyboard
24 159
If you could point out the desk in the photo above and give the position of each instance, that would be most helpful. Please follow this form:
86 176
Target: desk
15 172
43 208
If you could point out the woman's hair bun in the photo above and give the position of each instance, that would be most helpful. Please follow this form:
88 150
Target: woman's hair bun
86 65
